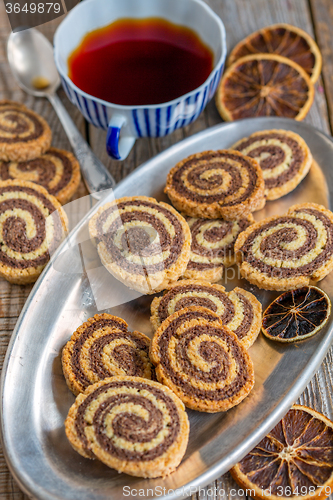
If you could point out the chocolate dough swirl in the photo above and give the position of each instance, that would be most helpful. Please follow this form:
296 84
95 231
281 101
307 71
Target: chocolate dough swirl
284 158
239 310
290 250
201 360
143 243
216 184
24 135
32 225
213 246
103 347
57 171
131 424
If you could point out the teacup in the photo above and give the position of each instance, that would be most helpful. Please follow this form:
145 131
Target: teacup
127 123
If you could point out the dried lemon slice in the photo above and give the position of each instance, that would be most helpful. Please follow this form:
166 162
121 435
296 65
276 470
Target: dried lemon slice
264 85
285 40
296 314
294 460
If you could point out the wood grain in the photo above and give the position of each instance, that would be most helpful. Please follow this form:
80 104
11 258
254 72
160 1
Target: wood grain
241 17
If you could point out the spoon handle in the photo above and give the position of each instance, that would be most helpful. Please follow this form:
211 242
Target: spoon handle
96 176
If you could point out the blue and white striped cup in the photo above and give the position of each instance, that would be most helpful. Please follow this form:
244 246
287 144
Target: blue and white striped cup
127 123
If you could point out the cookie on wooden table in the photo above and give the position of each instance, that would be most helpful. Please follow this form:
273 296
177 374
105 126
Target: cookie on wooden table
143 243
216 184
24 135
103 347
201 360
283 156
28 232
212 246
239 310
287 251
57 170
133 425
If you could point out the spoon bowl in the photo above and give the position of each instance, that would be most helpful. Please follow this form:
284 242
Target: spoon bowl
30 56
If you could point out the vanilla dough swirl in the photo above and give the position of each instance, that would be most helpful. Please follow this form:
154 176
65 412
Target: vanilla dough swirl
103 347
284 158
24 135
133 425
286 252
57 170
143 243
212 246
239 310
201 360
216 184
32 224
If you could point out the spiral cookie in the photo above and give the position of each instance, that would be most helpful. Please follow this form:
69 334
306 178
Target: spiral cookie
201 360
284 158
143 243
103 347
57 171
286 252
24 135
239 310
212 246
216 184
133 425
28 231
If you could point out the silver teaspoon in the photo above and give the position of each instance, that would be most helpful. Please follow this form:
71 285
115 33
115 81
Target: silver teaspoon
30 57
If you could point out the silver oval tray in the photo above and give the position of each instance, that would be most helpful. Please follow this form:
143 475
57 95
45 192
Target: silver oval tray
35 399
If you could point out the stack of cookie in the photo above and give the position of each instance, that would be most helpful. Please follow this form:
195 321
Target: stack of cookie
132 392
34 181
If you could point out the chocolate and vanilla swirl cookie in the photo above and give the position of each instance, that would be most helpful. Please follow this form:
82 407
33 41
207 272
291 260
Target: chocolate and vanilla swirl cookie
239 310
103 347
143 243
212 246
286 252
32 224
216 184
284 158
133 425
201 360
24 135
57 170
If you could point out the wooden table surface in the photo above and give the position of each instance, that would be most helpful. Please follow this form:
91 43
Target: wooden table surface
240 17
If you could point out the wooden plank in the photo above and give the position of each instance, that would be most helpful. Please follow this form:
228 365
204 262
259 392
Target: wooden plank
322 13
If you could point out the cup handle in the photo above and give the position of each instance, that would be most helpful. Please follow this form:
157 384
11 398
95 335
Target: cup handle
118 147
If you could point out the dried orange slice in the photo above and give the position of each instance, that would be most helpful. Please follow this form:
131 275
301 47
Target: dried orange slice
285 40
295 460
264 85
296 314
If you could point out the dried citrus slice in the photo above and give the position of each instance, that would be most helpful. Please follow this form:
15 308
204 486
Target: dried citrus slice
295 460
296 314
264 85
285 40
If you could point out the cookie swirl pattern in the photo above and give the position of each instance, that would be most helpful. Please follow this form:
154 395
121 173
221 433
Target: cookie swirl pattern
286 252
133 425
143 243
103 347
284 158
216 184
201 360
24 135
58 171
239 310
212 246
32 224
